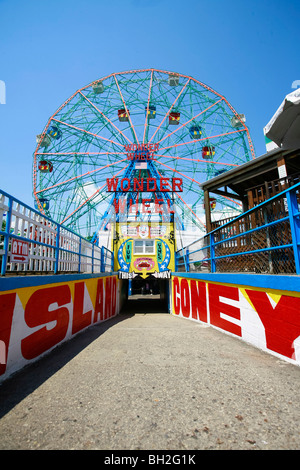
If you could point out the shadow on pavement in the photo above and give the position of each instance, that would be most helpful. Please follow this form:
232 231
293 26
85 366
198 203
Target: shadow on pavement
25 381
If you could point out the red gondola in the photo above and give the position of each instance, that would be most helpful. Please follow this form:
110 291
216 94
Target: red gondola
208 152
174 118
123 115
45 166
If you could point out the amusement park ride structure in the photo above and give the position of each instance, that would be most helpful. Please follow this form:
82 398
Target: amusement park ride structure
123 160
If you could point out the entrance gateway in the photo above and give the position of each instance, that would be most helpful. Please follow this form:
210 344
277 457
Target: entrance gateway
143 229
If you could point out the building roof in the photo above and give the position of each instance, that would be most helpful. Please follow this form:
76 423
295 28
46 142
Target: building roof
255 172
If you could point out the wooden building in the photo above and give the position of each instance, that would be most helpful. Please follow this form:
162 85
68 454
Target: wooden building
254 181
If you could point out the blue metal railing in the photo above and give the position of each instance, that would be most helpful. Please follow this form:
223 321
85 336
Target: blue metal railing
278 215
52 247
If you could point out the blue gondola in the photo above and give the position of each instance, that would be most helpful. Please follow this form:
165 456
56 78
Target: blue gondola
151 111
195 132
44 203
54 132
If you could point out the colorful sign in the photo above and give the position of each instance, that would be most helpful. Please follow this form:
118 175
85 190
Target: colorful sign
151 249
19 251
266 318
36 319
144 263
144 184
159 205
141 151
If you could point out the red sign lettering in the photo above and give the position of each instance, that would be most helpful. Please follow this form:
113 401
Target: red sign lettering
52 316
141 151
176 295
217 307
98 313
198 298
7 304
45 306
112 184
80 319
190 300
185 298
144 184
19 251
110 297
282 323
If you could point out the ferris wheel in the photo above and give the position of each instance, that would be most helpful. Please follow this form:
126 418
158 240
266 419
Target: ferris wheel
191 132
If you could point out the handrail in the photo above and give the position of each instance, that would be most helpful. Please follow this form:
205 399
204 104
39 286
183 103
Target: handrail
66 250
292 218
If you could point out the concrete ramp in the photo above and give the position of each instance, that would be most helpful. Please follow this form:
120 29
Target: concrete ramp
144 381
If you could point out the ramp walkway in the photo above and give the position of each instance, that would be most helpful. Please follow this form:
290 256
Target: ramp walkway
149 380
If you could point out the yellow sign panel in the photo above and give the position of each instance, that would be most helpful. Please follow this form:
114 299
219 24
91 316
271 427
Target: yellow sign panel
144 248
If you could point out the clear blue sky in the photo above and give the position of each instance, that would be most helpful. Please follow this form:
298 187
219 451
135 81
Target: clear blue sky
247 51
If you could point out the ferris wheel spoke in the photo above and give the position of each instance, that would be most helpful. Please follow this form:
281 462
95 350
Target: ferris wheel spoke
176 171
149 95
86 209
131 125
65 156
92 196
168 112
79 153
203 139
178 195
107 119
87 132
197 160
83 175
190 209
190 120
232 200
191 179
83 204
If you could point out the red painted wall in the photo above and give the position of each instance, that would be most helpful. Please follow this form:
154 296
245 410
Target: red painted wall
35 319
267 318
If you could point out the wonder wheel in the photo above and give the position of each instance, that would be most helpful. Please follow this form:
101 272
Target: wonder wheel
142 123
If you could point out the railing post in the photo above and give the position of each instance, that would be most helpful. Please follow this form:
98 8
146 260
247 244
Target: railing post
268 239
291 197
187 254
112 262
93 249
79 256
6 237
102 260
212 254
129 286
57 250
